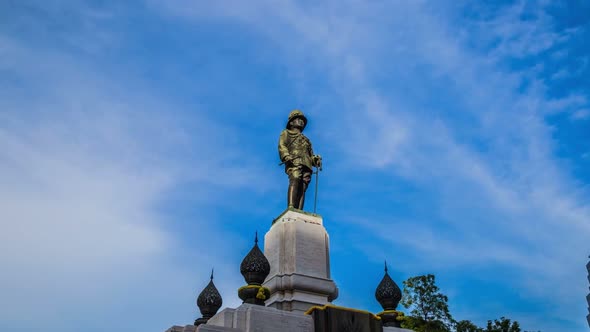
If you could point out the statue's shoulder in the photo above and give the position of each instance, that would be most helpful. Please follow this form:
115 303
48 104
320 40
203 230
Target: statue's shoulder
284 134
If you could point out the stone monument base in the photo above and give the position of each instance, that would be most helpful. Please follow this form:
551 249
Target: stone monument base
298 249
255 318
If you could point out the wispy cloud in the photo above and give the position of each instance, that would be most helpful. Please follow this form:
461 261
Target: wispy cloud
581 114
85 169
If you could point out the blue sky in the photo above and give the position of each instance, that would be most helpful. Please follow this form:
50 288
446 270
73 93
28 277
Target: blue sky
138 151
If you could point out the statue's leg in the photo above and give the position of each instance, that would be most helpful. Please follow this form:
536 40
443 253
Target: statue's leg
294 191
305 179
301 201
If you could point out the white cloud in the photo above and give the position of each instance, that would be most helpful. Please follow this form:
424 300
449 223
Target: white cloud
581 114
84 171
69 216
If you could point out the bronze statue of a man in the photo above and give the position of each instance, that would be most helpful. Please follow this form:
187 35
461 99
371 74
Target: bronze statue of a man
296 153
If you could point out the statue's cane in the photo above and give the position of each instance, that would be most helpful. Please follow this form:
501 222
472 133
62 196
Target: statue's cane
315 196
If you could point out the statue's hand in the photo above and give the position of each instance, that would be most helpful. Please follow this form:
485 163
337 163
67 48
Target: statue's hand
287 159
317 160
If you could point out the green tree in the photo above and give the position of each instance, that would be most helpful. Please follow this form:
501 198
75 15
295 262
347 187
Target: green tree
429 308
502 325
467 326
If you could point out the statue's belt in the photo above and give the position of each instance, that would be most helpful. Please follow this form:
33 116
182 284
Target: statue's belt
300 161
300 153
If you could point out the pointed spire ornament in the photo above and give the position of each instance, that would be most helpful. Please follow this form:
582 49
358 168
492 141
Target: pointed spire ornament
209 301
255 268
388 294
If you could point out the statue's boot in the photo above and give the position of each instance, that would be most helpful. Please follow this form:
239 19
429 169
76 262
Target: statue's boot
302 195
293 194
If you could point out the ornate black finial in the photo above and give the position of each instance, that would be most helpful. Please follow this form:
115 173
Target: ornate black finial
388 294
255 268
209 301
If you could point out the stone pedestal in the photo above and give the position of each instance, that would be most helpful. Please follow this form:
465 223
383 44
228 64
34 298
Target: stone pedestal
255 318
338 319
297 247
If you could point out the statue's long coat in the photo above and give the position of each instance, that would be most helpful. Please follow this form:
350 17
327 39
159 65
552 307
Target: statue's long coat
295 144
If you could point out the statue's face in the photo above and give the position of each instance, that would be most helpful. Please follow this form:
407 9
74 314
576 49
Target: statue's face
297 123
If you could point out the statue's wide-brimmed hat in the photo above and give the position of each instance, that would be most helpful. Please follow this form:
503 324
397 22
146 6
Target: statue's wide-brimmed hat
297 114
